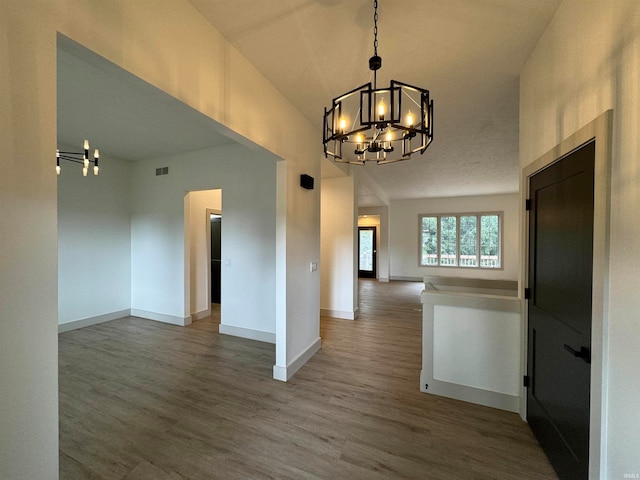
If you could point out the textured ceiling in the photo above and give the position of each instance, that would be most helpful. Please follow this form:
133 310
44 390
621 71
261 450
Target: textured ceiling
468 53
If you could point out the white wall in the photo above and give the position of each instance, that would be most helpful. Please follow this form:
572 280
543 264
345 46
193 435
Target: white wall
28 248
171 46
404 235
160 275
383 238
588 61
298 239
477 348
94 240
338 248
199 246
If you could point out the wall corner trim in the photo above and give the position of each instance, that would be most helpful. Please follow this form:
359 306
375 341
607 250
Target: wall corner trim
201 314
247 333
161 317
344 315
285 373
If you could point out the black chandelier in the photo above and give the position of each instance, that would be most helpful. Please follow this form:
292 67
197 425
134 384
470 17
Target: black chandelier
378 124
79 157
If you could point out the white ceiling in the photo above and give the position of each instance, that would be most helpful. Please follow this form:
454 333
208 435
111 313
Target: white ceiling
468 53
122 115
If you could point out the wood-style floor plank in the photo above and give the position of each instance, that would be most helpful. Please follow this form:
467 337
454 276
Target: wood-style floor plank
143 400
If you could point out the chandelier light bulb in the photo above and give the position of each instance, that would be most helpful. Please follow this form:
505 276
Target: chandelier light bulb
381 110
343 124
410 119
80 157
389 137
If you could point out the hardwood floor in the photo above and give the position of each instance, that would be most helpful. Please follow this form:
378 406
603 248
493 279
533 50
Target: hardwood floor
143 400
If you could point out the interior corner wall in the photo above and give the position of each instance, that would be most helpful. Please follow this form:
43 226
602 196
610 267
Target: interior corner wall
94 241
160 273
587 62
302 244
338 291
404 235
199 203
383 240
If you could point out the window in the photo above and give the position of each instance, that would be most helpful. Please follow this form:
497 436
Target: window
461 240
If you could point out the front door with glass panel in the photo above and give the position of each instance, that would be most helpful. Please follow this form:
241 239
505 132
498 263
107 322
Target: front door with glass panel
367 252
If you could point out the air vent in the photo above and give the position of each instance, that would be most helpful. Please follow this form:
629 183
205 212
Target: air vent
162 171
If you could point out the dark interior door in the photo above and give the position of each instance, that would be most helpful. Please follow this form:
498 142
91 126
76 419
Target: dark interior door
367 252
559 332
216 250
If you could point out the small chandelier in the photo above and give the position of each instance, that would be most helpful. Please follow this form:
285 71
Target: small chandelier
384 125
79 157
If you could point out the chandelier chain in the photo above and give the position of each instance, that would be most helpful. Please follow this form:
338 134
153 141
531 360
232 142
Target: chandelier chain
375 27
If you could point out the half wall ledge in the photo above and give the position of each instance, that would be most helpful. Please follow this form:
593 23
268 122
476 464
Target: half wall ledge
471 341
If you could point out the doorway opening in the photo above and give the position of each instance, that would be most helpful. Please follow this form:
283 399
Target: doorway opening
204 245
215 256
367 252
368 242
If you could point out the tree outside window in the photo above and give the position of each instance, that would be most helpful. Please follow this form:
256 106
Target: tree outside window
461 240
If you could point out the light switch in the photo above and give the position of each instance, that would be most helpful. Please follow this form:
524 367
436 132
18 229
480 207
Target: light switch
313 266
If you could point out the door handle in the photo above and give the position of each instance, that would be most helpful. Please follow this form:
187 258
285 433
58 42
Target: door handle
584 353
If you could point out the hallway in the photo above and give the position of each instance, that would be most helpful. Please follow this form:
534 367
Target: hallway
145 400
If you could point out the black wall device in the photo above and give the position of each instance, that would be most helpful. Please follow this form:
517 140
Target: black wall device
306 181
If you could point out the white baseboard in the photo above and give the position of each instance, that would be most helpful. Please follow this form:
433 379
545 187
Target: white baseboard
407 279
202 314
87 322
258 335
161 317
479 396
384 279
340 314
285 373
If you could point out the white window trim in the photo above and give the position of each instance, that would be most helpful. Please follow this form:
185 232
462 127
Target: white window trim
500 215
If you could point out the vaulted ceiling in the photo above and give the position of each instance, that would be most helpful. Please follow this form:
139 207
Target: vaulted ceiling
467 53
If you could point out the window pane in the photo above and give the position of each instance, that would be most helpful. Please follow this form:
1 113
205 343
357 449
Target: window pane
448 241
490 241
469 241
429 229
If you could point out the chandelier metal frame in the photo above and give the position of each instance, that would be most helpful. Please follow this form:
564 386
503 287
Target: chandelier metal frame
377 132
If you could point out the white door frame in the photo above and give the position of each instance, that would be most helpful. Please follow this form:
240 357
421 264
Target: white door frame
600 129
